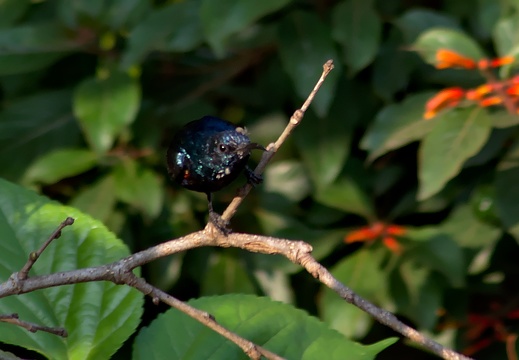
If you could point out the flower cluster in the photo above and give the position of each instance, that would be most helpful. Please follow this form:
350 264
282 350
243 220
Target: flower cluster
378 230
488 94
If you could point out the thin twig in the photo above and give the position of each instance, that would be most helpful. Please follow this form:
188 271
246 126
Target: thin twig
15 320
33 256
273 148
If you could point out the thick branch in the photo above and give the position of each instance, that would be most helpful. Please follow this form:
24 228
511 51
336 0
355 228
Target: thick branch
298 252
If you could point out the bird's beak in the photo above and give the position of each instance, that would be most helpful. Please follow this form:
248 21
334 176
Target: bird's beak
255 146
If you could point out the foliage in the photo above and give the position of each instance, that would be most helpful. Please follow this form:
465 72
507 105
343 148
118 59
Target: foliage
416 128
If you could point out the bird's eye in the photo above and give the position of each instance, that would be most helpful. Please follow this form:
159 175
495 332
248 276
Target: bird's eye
222 148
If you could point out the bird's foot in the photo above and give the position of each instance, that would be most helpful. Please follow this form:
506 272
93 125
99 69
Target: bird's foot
252 178
222 225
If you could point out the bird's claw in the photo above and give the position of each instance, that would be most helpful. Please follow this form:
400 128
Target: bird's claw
252 178
221 224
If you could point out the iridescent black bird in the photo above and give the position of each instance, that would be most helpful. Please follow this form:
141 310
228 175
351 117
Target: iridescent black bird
208 154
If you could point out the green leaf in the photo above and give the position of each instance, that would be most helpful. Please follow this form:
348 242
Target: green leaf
287 178
226 274
361 272
60 164
124 12
98 200
12 10
488 13
456 136
175 27
506 35
278 327
73 12
465 228
441 253
33 126
237 14
98 316
392 67
397 125
32 47
305 45
417 293
435 39
325 143
139 187
503 119
416 21
346 195
507 190
104 107
357 27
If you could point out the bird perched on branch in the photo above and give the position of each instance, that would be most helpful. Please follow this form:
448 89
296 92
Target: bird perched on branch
208 154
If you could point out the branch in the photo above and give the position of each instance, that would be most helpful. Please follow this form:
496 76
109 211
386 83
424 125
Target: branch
35 255
273 147
299 252
15 320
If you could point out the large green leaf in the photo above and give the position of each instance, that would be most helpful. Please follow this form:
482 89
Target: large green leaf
435 39
279 327
237 14
357 27
33 126
363 274
176 27
456 136
105 106
32 47
98 316
397 125
305 45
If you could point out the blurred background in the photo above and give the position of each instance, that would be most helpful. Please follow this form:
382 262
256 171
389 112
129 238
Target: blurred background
418 216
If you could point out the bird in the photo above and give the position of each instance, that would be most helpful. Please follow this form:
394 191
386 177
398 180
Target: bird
206 155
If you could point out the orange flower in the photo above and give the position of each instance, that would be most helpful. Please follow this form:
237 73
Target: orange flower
513 89
378 230
493 63
392 244
479 92
489 101
448 59
446 98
